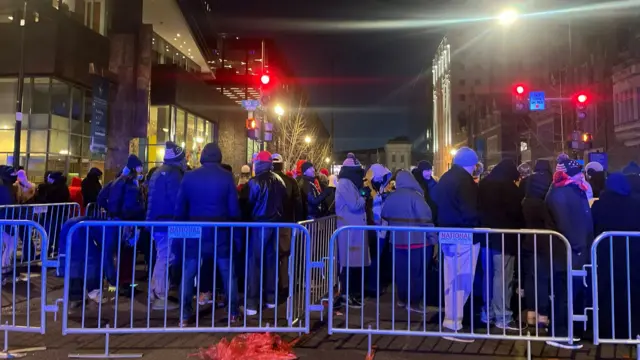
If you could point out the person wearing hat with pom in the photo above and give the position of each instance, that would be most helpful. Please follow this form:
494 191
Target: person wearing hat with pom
312 194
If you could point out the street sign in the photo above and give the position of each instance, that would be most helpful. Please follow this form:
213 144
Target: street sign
250 105
536 101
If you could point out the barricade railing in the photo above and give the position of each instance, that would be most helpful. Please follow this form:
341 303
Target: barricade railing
320 230
95 212
615 284
22 308
50 216
538 260
230 268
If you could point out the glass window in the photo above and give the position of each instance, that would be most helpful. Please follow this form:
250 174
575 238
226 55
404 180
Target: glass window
8 91
60 100
36 167
58 142
38 141
75 147
39 118
156 155
88 102
159 126
77 104
86 152
6 141
191 143
180 119
200 137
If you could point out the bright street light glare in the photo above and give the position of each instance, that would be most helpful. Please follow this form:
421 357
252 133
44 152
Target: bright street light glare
307 139
453 152
327 160
279 110
508 17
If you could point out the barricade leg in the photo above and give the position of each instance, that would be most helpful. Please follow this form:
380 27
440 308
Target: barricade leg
107 354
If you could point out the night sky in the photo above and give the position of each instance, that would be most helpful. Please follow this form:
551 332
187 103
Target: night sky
380 77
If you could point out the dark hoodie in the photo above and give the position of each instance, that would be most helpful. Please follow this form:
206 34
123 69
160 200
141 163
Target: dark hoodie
597 182
617 210
536 185
406 207
534 209
501 204
91 186
58 192
427 187
208 194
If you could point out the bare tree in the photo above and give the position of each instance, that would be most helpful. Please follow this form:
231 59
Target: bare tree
296 137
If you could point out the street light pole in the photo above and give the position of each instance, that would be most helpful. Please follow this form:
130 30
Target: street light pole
18 124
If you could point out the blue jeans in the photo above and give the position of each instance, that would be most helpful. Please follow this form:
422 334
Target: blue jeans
262 267
190 271
497 276
410 270
164 258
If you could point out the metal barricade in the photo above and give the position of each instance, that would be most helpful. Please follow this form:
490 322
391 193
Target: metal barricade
50 216
615 284
22 308
418 304
230 269
95 212
320 230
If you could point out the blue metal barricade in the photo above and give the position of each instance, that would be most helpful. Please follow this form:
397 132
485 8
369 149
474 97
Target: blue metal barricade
50 216
320 230
428 292
615 284
230 269
22 307
95 212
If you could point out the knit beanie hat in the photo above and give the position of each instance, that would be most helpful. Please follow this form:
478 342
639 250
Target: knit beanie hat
263 156
245 169
572 167
595 166
465 157
306 166
173 152
351 160
424 165
324 172
560 160
133 162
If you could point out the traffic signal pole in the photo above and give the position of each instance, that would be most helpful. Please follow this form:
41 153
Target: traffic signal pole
18 124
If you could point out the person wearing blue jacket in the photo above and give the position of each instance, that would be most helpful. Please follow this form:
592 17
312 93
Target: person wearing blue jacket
161 205
207 194
406 206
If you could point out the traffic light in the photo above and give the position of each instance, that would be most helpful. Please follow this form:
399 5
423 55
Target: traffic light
587 139
519 99
267 84
265 79
582 101
252 129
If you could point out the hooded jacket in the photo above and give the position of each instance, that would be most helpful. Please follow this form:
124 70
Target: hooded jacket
75 191
427 188
163 191
501 204
125 200
267 195
25 190
91 186
534 208
406 206
57 191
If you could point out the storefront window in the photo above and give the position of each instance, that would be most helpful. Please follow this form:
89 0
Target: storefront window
88 104
8 91
38 141
77 105
180 122
190 146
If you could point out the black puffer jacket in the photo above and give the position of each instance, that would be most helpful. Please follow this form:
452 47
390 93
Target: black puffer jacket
534 209
267 194
293 203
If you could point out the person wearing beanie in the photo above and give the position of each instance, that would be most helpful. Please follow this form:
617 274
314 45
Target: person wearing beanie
207 194
311 193
267 195
292 214
91 186
298 173
595 177
353 246
617 210
423 173
58 192
161 204
324 172
570 215
456 198
562 157
245 175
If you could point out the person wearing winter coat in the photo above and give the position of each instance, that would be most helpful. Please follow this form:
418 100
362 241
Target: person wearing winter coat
57 192
570 215
377 179
75 192
43 189
617 210
292 214
330 200
406 206
632 172
312 194
456 196
25 190
91 187
161 205
595 177
535 251
353 246
220 205
7 197
245 175
498 256
423 173
267 195
125 198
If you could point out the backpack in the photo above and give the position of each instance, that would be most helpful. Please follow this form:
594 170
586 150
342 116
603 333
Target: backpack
103 196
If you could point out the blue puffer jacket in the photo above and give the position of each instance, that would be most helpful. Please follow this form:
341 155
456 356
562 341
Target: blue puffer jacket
125 199
163 192
208 194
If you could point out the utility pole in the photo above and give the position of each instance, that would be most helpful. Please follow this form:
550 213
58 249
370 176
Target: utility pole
18 124
333 137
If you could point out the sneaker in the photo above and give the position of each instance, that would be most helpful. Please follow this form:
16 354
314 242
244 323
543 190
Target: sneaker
401 304
271 305
251 312
354 302
160 304
417 308
565 345
454 338
510 325
94 295
205 298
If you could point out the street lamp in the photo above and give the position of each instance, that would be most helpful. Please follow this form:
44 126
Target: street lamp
327 160
307 139
508 17
279 110
453 152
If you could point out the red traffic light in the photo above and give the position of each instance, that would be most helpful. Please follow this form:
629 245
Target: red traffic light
587 137
519 89
582 98
251 124
264 79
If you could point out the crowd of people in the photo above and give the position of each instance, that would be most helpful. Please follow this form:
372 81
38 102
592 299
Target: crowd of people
577 203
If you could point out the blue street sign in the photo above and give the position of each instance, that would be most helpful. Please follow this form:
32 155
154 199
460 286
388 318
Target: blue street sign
601 158
536 101
250 105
